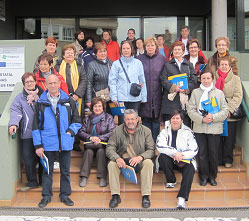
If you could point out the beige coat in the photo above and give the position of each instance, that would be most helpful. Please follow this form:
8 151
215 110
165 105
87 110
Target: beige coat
216 127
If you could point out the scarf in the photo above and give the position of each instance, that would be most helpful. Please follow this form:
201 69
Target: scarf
95 122
221 80
183 99
32 95
204 96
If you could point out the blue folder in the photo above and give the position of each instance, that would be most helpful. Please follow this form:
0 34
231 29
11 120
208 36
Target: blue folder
117 110
180 80
44 162
129 174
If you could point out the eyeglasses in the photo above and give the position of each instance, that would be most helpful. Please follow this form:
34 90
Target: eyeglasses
193 47
29 82
221 45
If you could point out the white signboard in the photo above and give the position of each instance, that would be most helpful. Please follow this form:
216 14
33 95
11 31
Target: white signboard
11 66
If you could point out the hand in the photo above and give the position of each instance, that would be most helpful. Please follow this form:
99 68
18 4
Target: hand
178 89
88 104
121 163
95 140
69 133
141 85
116 103
134 161
12 129
229 115
39 152
208 119
75 97
178 157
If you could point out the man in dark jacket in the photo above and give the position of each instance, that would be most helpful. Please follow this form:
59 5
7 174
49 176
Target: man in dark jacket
56 122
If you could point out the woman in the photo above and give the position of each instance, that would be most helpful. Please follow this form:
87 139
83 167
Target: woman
198 60
175 98
45 69
50 48
118 81
74 74
222 44
140 46
153 64
98 72
79 42
175 143
95 128
21 117
88 54
231 85
207 127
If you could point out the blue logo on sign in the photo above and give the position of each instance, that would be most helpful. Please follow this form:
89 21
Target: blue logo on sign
2 64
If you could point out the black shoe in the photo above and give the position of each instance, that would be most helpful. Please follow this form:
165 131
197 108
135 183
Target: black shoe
212 182
203 182
145 201
67 201
43 203
115 200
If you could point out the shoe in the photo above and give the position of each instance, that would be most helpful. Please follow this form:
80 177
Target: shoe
170 185
228 165
83 181
212 182
56 165
203 182
145 201
115 200
67 201
43 203
102 182
26 188
181 204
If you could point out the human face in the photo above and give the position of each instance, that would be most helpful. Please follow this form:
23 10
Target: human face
101 54
29 83
131 35
160 41
139 44
126 50
81 36
224 66
222 47
184 33
193 50
53 84
69 55
206 79
176 122
50 48
178 52
151 48
106 36
89 43
44 66
130 121
98 108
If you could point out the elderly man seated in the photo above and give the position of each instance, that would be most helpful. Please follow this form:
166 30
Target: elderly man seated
130 143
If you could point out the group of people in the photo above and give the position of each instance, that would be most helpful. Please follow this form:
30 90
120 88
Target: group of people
50 112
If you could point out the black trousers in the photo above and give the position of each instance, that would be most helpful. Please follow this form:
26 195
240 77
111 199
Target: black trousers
129 105
227 144
208 155
167 165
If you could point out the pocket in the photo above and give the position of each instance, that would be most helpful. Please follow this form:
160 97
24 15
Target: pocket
67 141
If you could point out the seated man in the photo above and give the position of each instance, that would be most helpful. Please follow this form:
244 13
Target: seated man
175 143
130 143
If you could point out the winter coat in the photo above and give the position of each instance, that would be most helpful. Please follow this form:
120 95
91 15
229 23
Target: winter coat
87 56
97 75
107 125
232 90
50 129
153 67
112 50
170 69
78 47
118 83
119 141
216 127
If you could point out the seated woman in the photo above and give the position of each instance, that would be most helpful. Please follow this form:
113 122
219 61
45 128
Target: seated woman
95 128
175 143
21 117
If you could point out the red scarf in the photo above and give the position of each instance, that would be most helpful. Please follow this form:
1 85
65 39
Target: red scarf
221 80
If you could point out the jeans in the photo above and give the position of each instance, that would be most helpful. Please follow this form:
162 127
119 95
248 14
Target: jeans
154 126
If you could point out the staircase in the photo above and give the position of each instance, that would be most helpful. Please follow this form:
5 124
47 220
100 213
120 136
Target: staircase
232 190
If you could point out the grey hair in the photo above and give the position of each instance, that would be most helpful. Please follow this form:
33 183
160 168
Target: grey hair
53 75
130 111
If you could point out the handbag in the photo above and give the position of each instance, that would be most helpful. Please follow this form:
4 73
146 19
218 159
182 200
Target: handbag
93 146
238 113
104 94
135 88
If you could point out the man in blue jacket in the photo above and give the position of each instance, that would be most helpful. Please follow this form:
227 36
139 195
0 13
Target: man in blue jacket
56 122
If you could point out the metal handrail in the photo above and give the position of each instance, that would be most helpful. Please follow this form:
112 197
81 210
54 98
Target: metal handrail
245 109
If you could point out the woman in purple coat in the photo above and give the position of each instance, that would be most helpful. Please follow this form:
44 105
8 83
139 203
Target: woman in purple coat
153 63
95 130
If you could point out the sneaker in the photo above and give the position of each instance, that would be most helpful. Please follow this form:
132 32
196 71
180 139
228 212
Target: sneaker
102 182
181 204
83 181
228 165
56 165
170 185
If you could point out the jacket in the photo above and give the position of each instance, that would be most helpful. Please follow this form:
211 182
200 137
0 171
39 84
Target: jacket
87 56
166 52
107 125
97 74
112 50
170 69
118 83
232 90
22 113
78 47
40 80
216 127
153 67
119 141
80 91
50 129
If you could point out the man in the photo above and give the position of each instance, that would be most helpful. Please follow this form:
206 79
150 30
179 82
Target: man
112 46
163 49
185 31
130 143
56 122
131 37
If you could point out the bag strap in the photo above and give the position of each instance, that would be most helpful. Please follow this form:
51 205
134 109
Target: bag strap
124 71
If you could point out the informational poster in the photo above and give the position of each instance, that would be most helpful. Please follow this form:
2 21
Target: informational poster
11 66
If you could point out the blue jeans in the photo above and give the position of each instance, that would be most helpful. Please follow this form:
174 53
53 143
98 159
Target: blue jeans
154 126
